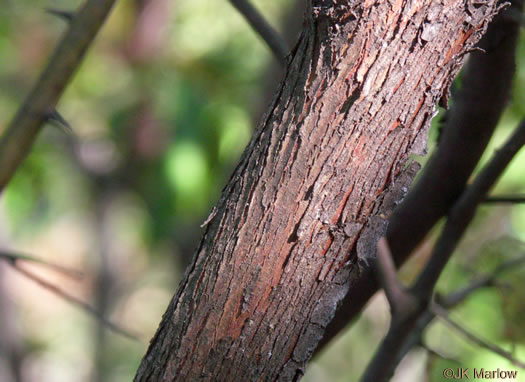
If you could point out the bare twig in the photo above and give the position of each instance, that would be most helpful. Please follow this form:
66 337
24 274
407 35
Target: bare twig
387 357
460 295
21 132
274 41
455 298
463 211
15 257
516 199
73 300
415 337
406 309
442 313
400 301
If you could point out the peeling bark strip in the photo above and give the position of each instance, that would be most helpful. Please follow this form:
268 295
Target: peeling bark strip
485 89
324 166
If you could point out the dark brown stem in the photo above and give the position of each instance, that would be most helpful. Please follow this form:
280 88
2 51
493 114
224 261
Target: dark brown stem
400 301
382 366
21 132
73 300
442 313
505 199
454 299
463 211
16 257
274 41
387 357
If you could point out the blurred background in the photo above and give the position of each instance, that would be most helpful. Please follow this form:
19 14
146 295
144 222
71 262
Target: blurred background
161 109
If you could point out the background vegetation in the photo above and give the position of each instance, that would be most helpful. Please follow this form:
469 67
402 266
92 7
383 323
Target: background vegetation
161 110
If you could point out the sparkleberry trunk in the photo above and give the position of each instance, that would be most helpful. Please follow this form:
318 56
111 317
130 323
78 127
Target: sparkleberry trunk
293 228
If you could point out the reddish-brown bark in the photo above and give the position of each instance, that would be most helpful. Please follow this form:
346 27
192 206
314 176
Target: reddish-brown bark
325 165
486 84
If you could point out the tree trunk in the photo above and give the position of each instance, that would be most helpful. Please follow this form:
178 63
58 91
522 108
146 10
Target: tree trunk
297 224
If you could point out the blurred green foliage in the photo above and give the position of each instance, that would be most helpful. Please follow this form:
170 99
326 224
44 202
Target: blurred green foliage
160 122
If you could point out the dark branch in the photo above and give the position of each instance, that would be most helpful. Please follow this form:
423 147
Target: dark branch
402 328
15 257
515 16
460 295
73 300
400 301
277 45
442 313
21 132
463 211
454 299
506 199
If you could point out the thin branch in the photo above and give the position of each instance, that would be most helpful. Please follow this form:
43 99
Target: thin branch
12 346
460 295
463 211
400 301
516 199
73 300
15 257
399 334
386 358
16 142
416 335
442 313
455 298
274 41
